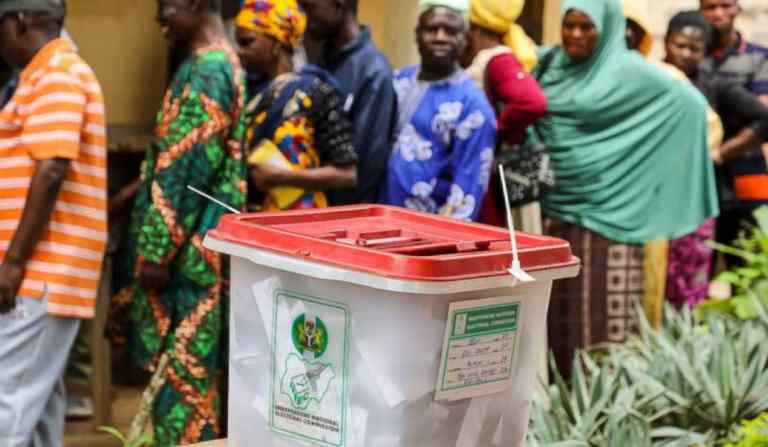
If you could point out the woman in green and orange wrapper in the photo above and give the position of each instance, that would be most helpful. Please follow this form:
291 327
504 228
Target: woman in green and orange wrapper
298 140
171 306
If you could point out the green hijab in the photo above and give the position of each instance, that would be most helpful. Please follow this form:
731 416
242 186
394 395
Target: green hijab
628 142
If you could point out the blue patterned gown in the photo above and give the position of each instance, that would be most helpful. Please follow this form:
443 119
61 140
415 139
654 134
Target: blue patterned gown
443 155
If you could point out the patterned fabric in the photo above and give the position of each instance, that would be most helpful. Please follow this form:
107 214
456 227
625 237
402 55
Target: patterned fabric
302 115
197 142
689 266
282 19
57 111
599 305
445 146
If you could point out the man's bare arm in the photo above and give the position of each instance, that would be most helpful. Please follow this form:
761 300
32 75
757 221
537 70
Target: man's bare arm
43 192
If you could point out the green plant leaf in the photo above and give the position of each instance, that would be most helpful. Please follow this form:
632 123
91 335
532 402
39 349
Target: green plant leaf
728 277
749 273
744 307
115 433
761 216
745 255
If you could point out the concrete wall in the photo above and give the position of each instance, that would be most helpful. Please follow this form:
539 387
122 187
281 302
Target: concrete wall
552 22
123 44
393 23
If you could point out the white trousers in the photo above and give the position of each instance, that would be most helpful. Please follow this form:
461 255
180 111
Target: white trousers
34 348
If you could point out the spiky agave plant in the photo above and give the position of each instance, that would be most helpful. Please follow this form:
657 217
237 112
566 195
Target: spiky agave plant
706 378
688 383
600 406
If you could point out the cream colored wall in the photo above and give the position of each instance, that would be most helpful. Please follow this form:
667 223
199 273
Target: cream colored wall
551 22
392 23
123 44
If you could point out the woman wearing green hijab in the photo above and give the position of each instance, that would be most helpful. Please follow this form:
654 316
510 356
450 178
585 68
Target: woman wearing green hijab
629 150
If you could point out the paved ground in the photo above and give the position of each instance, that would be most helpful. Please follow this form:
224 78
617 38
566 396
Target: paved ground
124 406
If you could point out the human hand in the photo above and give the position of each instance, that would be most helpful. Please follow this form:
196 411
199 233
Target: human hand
265 176
118 202
11 276
154 276
717 156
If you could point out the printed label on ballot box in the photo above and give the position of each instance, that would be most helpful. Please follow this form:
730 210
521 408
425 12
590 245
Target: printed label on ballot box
481 340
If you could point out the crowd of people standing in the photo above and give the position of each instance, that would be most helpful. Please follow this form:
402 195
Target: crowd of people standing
299 109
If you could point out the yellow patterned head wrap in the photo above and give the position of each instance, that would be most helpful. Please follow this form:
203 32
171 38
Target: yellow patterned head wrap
500 16
282 19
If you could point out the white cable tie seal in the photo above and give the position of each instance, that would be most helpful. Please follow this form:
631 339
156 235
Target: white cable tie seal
214 200
515 269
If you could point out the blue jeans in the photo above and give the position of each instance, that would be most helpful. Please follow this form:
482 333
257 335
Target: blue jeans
34 348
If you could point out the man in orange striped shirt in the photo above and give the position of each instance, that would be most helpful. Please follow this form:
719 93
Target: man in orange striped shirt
53 225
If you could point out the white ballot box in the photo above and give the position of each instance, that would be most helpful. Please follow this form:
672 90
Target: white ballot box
374 326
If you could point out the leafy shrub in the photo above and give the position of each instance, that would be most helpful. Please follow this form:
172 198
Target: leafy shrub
601 407
682 385
689 383
748 281
752 433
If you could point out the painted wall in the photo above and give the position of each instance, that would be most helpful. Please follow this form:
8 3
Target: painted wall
393 23
552 22
123 44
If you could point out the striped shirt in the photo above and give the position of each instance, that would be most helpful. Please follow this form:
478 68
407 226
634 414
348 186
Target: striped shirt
746 177
57 111
745 62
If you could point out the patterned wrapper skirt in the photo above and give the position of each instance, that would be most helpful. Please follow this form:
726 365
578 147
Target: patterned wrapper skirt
598 306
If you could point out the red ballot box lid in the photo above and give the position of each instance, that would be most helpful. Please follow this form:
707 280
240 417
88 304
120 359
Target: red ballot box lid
393 242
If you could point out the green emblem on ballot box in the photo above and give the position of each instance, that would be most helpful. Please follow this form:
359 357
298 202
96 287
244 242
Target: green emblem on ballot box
309 335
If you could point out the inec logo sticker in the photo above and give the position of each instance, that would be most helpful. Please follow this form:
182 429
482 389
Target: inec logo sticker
310 370
309 335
